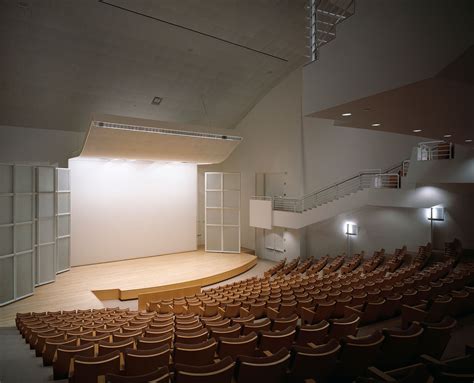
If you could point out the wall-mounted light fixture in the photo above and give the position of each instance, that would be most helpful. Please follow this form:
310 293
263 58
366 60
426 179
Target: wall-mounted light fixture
350 229
435 213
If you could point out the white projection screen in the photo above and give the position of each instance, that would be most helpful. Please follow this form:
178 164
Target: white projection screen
122 209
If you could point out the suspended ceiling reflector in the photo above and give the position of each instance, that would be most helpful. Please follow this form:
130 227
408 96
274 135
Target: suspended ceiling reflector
126 141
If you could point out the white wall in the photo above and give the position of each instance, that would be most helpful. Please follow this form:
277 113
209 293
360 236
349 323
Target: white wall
271 143
378 227
39 145
122 209
333 153
387 44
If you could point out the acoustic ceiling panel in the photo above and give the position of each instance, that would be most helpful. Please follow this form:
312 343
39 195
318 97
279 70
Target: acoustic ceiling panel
156 141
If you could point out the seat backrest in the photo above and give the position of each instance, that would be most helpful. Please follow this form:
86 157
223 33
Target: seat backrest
315 333
51 346
211 309
230 331
257 309
344 326
192 337
263 325
401 347
283 323
220 372
271 369
161 375
198 354
244 345
108 347
359 353
314 363
275 340
436 337
146 343
88 369
324 311
139 362
65 353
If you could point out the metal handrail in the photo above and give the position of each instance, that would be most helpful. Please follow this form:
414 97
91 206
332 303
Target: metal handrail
435 150
374 178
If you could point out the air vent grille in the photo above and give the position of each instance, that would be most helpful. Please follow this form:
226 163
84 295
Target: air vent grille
171 132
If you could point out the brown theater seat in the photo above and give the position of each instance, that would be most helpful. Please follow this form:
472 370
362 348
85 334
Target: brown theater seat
89 369
275 340
139 362
244 345
65 353
198 354
313 333
269 369
220 372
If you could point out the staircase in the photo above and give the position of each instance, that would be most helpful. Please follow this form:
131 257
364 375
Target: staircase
324 16
430 163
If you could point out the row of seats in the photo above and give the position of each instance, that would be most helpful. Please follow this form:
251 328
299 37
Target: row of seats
256 318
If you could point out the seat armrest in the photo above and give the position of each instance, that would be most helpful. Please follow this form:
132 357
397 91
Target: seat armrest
307 315
221 311
378 374
244 312
271 313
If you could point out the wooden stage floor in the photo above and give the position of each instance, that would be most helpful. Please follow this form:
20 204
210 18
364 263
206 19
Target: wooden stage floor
125 279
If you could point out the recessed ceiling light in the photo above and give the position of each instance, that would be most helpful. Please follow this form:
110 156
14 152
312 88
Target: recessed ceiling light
346 114
447 136
376 124
156 100
416 130
468 140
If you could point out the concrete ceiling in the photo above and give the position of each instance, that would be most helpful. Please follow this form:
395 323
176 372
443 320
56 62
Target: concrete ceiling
439 106
63 60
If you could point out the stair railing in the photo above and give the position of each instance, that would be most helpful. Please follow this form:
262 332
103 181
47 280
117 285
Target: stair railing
371 178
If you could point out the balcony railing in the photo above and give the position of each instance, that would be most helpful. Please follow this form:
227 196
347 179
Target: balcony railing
435 150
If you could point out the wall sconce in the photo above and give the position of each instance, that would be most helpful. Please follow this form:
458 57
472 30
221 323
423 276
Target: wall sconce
351 229
436 214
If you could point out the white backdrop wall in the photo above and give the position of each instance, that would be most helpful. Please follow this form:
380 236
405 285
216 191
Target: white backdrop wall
123 209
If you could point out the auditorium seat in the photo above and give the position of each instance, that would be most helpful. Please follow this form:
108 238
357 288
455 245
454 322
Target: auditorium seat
108 347
268 369
357 354
220 372
94 339
64 354
323 311
41 340
262 325
139 362
316 363
243 345
436 337
228 332
89 369
280 324
414 373
275 340
369 312
400 347
192 337
161 375
51 346
432 311
148 342
315 333
117 337
198 354
342 327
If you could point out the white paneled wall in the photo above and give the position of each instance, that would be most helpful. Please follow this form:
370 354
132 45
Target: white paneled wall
45 225
27 230
63 220
222 212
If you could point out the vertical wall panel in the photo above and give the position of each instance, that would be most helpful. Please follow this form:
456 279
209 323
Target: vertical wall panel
63 220
24 274
6 279
222 212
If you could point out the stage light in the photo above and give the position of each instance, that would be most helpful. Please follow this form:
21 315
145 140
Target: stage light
346 114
